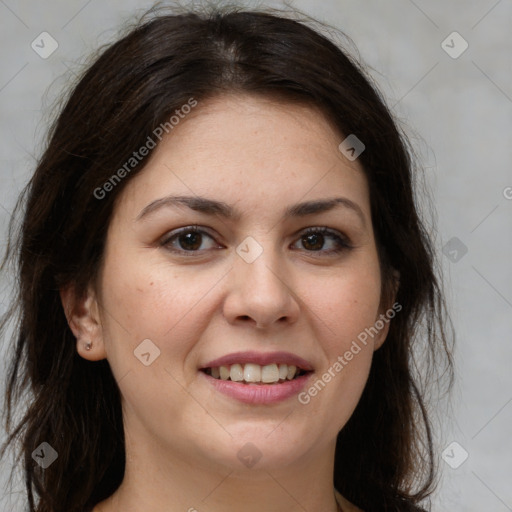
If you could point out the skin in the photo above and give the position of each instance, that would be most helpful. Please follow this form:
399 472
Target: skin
182 436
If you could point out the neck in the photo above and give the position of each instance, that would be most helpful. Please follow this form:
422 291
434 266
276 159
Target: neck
174 482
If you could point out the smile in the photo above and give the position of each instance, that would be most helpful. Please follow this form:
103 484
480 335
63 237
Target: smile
259 393
251 373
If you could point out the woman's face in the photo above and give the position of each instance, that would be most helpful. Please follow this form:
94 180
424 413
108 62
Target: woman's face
250 286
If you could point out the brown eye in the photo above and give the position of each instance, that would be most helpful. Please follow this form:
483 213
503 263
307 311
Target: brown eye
186 240
314 239
190 240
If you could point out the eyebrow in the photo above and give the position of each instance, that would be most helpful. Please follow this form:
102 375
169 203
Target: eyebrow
222 209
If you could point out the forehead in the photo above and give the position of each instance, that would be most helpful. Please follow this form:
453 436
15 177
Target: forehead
244 124
251 151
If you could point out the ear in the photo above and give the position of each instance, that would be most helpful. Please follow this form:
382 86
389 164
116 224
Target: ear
84 321
388 310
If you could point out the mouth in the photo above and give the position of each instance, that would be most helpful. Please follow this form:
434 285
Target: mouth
251 373
258 378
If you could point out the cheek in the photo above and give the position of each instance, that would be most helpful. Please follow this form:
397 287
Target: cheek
166 306
343 305
334 392
160 302
143 299
344 308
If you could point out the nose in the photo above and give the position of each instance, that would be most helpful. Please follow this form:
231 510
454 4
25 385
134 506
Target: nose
261 292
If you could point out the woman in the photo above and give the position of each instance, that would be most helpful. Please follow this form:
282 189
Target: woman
222 277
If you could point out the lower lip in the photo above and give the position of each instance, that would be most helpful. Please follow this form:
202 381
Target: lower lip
259 393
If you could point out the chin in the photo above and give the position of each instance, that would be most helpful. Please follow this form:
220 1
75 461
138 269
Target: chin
259 447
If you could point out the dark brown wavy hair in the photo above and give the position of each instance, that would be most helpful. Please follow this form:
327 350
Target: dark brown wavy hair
384 457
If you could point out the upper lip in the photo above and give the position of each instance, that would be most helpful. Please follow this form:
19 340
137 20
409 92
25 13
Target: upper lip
260 358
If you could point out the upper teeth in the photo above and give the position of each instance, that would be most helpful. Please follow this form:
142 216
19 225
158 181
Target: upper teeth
251 372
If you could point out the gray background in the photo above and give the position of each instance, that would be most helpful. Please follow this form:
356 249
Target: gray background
458 113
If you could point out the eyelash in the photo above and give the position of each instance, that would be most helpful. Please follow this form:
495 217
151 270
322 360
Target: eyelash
341 242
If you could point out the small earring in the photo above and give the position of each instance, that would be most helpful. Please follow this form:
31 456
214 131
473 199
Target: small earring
88 346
